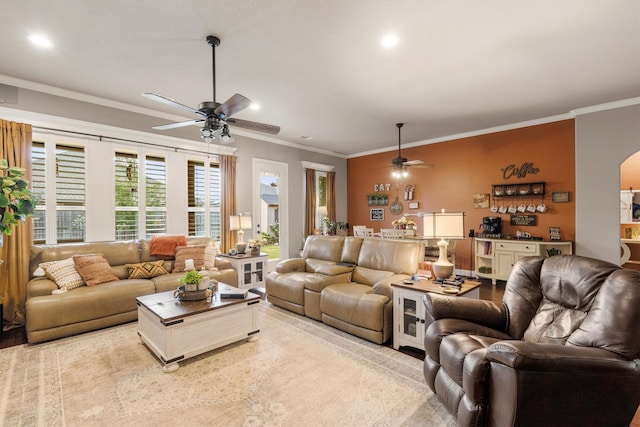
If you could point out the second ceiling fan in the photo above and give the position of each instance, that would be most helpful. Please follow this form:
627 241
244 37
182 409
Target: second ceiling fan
216 117
400 163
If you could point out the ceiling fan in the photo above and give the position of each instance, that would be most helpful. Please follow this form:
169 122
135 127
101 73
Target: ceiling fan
215 116
400 163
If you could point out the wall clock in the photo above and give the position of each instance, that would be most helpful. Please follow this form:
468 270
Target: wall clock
396 207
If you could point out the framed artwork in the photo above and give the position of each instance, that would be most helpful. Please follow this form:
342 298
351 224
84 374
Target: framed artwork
376 214
481 200
414 205
560 196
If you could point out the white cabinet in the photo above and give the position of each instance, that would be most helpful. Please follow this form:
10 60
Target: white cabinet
409 323
252 269
495 258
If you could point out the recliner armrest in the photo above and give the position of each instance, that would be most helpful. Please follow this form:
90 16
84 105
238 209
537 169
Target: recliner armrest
482 312
334 269
290 265
538 357
222 264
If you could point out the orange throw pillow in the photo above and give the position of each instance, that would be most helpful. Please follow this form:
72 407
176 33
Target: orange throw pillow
94 269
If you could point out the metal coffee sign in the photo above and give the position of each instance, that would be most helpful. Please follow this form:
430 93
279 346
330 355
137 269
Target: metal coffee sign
513 171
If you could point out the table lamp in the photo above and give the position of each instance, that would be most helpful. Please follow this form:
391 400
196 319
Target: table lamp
443 225
240 223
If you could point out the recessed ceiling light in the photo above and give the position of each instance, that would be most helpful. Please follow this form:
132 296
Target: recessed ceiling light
40 40
389 40
254 106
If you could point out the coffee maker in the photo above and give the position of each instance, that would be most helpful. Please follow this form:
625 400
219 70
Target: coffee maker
491 227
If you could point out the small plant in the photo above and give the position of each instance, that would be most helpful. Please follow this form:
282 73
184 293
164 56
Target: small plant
256 242
15 198
191 277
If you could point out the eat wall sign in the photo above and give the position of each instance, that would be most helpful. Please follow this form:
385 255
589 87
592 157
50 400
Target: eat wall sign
513 171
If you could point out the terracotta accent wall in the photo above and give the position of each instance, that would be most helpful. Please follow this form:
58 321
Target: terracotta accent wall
468 166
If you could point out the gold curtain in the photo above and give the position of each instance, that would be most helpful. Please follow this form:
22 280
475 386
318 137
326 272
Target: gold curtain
331 195
228 200
15 146
310 202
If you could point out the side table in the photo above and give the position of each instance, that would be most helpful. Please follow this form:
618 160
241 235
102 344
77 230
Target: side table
409 314
252 269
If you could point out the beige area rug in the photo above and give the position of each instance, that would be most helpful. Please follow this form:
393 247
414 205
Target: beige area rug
298 373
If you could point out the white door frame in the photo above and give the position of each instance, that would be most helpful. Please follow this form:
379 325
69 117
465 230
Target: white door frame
281 170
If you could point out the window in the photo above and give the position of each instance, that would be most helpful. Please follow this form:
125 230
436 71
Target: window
70 194
126 182
39 192
321 197
66 196
203 189
156 195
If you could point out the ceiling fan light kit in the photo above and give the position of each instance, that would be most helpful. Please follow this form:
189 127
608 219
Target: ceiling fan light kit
401 164
215 116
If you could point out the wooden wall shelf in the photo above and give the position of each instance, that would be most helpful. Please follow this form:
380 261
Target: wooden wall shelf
528 189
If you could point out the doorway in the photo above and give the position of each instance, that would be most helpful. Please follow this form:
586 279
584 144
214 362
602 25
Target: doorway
630 211
270 208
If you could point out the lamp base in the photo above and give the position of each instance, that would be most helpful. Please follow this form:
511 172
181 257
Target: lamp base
240 248
442 268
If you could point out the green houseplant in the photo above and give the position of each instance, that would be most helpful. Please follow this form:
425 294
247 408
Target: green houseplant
15 198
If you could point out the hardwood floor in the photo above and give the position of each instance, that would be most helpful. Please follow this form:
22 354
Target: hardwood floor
13 337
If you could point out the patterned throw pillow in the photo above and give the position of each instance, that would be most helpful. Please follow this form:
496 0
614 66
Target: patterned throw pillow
146 270
64 273
94 269
183 253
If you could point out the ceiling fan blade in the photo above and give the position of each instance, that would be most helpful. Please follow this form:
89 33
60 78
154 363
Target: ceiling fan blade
260 127
179 124
233 105
171 102
413 162
423 166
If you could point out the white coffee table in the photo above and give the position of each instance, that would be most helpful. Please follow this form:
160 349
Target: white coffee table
175 330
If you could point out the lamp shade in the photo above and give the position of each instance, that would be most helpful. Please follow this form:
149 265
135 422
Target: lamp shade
234 222
245 222
322 210
443 225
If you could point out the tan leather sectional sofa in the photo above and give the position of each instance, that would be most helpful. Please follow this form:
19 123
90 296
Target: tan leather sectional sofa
89 308
345 282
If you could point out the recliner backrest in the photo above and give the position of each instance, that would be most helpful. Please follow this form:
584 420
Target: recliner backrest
327 248
576 300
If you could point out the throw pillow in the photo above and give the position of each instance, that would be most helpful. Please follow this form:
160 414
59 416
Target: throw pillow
94 269
146 270
64 273
210 253
195 252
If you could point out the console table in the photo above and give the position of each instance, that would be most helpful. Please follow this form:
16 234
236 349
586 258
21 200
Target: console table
494 258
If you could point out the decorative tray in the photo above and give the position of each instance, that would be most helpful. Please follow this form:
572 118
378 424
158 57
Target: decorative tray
184 295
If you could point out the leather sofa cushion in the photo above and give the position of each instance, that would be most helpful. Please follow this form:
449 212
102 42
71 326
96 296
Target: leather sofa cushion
312 265
399 257
368 276
86 303
289 287
328 248
351 249
354 303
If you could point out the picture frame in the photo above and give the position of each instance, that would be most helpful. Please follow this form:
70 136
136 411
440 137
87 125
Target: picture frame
560 196
414 205
376 214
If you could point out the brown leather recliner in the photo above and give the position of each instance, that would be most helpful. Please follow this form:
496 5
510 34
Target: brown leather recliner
563 348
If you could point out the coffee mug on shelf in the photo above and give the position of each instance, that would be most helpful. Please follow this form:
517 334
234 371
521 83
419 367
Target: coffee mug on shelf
494 209
522 207
542 207
531 208
502 209
512 209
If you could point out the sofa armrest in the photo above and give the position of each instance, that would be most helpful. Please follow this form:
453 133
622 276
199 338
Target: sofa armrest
290 265
222 264
40 286
383 286
317 282
482 312
334 269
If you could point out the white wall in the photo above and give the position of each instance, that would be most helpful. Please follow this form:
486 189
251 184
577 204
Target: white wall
604 140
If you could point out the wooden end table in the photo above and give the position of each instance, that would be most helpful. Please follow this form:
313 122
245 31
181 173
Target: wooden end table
409 313
175 330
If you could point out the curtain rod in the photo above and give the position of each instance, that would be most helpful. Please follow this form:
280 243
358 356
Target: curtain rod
112 138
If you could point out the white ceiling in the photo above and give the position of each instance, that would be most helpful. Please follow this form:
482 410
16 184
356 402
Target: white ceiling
317 69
